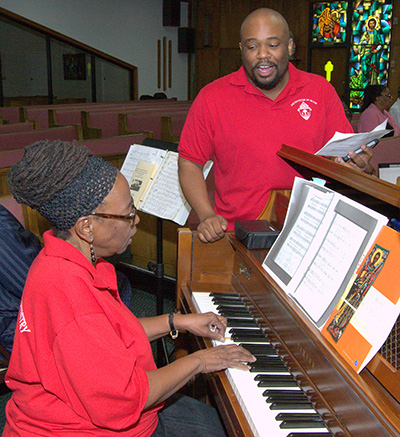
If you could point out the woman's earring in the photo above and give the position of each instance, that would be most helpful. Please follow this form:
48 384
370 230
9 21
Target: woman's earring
92 253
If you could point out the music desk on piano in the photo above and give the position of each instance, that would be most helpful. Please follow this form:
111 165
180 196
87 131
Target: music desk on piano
351 404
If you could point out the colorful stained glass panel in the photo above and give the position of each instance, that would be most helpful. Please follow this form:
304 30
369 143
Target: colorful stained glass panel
370 48
329 22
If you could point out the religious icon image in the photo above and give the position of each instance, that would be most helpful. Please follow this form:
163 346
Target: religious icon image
329 22
370 48
360 287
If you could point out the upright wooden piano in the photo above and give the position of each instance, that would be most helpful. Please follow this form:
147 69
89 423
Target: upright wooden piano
351 404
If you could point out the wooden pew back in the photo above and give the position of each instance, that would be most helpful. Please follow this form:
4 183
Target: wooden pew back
14 140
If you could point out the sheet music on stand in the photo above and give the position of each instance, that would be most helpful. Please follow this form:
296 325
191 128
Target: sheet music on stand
153 177
323 240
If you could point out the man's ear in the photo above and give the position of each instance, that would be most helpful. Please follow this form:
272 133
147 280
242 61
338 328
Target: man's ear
84 228
291 46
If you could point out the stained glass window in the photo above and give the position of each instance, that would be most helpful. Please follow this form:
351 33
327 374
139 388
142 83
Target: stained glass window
329 22
370 47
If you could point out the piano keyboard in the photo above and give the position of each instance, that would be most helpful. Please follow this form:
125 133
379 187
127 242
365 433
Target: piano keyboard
271 400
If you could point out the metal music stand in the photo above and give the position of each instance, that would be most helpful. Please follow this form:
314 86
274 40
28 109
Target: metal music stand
158 267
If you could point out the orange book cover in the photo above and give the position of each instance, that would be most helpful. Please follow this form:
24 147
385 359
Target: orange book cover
364 316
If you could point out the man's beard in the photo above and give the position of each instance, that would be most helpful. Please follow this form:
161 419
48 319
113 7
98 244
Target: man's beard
265 85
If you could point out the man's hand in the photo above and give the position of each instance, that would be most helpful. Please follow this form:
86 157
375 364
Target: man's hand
359 161
212 228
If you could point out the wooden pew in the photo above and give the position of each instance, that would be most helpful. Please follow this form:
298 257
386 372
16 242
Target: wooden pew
40 113
10 114
151 121
18 127
67 114
20 139
101 121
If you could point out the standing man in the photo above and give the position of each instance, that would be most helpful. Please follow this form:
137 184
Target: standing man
241 121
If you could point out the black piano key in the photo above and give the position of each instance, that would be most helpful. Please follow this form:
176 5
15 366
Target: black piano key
270 359
272 399
275 381
298 416
234 313
291 405
268 367
280 392
232 295
238 309
269 353
259 349
228 300
302 424
247 331
251 335
277 398
310 434
227 297
242 323
248 338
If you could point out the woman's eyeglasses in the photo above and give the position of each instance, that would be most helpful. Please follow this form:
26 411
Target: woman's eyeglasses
387 95
129 217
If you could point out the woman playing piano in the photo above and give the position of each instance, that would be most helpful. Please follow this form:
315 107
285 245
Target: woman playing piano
82 362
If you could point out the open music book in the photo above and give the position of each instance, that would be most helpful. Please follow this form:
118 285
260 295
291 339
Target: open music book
327 244
153 179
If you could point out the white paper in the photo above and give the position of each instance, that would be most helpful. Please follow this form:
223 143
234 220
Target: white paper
138 152
164 197
341 143
329 267
302 233
375 310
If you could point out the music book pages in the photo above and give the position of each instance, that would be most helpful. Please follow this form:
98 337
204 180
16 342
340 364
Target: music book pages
141 180
153 179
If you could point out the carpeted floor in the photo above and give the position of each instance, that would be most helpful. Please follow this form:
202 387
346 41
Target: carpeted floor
144 305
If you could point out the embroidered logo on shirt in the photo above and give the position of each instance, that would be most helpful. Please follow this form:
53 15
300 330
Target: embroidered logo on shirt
22 325
304 108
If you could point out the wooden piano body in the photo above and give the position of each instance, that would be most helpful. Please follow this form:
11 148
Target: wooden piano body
365 404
